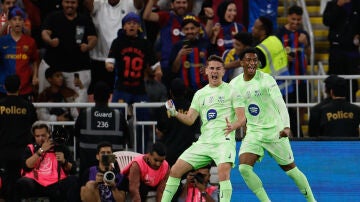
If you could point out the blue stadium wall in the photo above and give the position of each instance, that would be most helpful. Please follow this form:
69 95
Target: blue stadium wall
332 169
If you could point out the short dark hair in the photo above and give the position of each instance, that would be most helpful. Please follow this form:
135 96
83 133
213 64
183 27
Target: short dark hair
177 87
267 25
244 37
339 87
295 9
159 148
12 83
40 125
247 50
330 82
51 71
215 58
103 144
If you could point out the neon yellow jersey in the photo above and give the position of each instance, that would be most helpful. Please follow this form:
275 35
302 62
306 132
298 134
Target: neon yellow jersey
213 106
265 109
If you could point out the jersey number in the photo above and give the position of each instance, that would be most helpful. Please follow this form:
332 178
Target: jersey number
102 124
133 67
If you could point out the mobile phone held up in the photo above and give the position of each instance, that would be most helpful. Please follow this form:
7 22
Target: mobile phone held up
76 76
187 43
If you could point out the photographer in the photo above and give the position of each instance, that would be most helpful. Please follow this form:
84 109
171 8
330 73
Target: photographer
103 182
197 187
46 170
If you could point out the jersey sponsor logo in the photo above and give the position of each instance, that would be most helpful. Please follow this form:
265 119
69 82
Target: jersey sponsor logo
176 32
253 109
16 56
211 114
220 42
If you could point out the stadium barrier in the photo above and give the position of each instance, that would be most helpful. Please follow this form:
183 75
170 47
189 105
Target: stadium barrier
315 93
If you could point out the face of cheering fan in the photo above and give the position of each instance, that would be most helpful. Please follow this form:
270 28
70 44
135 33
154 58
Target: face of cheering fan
131 28
17 24
230 13
179 7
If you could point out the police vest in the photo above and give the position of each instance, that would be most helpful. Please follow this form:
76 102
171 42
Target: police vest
276 61
101 126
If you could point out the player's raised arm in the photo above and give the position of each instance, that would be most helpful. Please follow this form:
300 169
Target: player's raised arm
188 118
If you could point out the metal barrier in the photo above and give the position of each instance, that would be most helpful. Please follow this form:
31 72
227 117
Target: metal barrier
74 104
143 123
314 96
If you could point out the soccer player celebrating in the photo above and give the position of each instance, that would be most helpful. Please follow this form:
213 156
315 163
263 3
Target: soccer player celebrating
267 126
220 113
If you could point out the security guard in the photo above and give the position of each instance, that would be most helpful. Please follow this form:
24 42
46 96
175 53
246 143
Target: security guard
272 53
97 124
16 117
339 117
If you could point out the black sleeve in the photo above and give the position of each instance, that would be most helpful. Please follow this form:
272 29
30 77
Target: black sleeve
314 122
162 120
78 122
84 178
125 128
332 13
69 157
174 51
262 58
27 154
113 48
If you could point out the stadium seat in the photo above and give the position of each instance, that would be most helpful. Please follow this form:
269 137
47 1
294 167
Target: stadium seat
123 158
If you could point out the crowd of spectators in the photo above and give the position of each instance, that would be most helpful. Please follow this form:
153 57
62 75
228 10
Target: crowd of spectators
145 51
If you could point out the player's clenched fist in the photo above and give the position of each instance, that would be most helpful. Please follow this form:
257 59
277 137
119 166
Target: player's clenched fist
170 106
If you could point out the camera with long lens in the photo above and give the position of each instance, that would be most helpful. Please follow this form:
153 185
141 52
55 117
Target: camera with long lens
59 137
107 160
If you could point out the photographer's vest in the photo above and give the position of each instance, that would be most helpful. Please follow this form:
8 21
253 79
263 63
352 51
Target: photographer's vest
148 176
276 62
194 194
101 126
45 170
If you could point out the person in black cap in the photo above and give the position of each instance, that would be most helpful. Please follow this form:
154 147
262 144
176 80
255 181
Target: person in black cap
339 117
16 117
314 120
99 123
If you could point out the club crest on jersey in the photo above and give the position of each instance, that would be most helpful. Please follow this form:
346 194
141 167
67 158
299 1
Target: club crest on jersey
254 109
221 99
211 114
